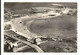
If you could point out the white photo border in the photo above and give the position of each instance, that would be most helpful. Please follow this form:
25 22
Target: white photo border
78 27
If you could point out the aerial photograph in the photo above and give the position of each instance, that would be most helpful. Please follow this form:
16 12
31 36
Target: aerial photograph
40 27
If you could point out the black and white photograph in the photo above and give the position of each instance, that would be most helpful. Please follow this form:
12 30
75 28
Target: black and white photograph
40 27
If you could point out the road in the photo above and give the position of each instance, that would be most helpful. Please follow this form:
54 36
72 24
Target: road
37 48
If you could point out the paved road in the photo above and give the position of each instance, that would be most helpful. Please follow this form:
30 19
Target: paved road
37 48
